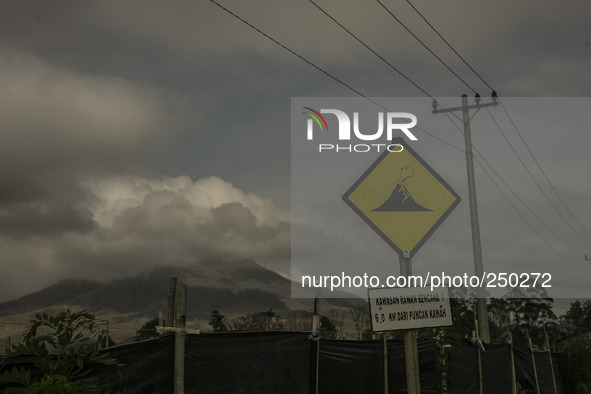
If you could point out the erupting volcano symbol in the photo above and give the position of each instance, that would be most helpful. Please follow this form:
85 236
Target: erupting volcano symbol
401 200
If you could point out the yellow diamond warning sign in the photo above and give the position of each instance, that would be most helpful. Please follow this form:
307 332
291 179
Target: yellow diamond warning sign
402 198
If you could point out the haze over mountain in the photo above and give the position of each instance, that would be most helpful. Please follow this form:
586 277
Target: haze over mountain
234 288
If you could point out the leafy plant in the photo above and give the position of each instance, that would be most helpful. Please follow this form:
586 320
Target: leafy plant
61 350
218 322
262 321
579 364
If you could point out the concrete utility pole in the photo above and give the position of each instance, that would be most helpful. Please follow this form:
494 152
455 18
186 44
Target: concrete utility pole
476 244
411 348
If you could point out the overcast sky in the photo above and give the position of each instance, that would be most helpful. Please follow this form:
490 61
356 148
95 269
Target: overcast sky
147 133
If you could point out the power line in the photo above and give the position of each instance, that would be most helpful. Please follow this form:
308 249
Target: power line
350 87
440 140
364 96
520 214
370 49
428 133
295 53
326 72
533 178
426 47
520 200
542 171
449 45
504 135
527 206
520 136
391 66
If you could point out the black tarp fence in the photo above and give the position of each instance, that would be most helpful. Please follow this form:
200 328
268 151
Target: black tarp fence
351 367
428 367
526 374
497 369
462 368
147 368
248 363
279 362
463 372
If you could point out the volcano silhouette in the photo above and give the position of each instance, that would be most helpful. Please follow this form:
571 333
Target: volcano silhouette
400 201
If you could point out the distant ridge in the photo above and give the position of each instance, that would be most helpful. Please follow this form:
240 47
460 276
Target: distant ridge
234 288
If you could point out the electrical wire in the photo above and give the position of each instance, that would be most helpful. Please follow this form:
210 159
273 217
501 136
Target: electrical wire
542 171
426 47
295 53
561 257
520 136
450 47
388 63
373 101
522 202
327 73
534 179
392 67
370 49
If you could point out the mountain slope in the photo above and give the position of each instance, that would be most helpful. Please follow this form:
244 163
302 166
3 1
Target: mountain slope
234 288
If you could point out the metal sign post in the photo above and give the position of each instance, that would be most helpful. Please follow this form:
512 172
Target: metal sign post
409 308
404 201
411 347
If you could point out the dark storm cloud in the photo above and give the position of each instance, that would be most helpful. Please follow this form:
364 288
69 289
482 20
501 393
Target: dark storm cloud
107 104
175 222
48 220
57 127
511 43
134 224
